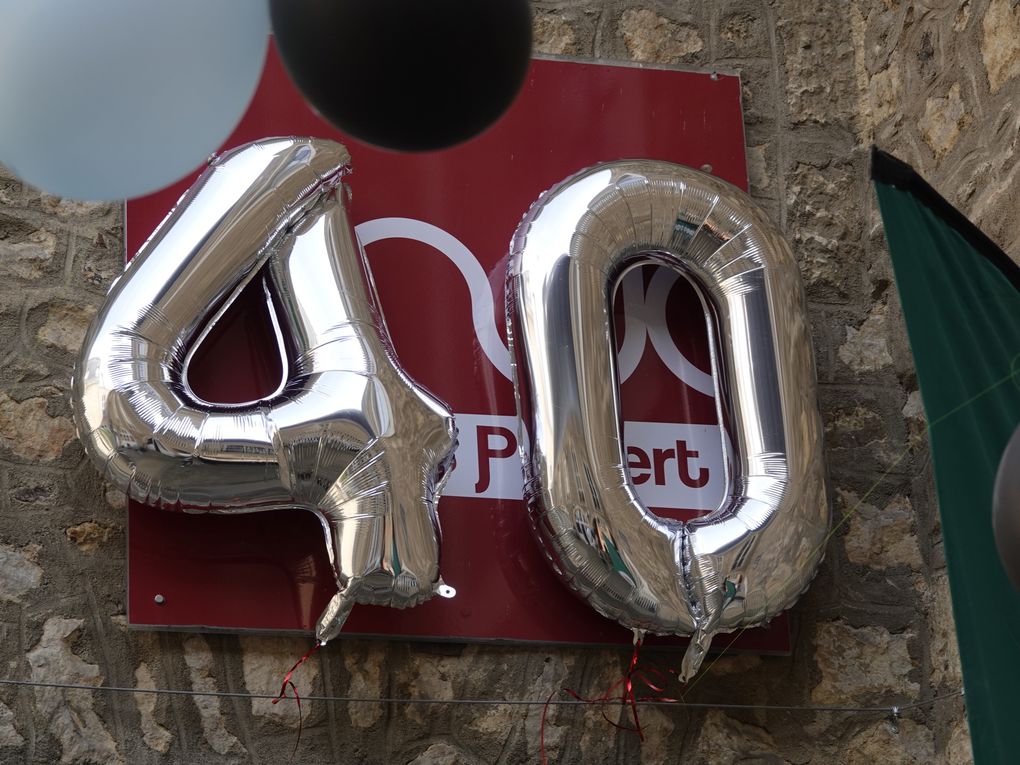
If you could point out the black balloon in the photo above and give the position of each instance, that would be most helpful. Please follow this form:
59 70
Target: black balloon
1006 509
411 75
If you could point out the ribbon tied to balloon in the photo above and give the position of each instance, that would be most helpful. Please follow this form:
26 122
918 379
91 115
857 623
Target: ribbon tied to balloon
752 557
346 435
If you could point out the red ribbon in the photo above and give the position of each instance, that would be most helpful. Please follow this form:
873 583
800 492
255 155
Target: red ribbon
635 674
297 697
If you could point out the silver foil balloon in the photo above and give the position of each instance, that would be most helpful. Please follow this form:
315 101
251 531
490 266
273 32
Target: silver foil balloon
754 555
347 435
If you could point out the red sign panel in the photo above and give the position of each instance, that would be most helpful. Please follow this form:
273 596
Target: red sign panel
437 228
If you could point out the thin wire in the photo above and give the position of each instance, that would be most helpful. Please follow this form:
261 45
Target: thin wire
890 710
477 702
1013 374
894 710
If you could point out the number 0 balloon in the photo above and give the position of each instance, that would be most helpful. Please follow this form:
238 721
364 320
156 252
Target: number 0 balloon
754 555
347 436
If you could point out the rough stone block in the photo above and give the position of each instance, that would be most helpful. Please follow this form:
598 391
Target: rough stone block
880 538
554 34
658 39
742 31
70 714
861 664
818 57
912 744
19 572
723 739
944 120
1000 42
28 431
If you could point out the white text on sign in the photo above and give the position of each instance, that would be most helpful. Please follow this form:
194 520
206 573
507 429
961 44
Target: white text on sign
676 466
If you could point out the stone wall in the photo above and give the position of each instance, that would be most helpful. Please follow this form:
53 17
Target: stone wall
935 83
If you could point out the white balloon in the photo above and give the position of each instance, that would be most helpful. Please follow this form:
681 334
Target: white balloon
110 99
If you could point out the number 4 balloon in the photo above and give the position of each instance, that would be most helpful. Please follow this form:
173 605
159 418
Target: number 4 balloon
347 435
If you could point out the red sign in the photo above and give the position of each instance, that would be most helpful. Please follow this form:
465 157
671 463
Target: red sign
436 228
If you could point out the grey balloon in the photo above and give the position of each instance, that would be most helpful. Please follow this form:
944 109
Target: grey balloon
110 99
1006 509
753 556
347 435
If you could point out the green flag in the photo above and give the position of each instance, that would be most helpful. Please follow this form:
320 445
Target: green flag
961 300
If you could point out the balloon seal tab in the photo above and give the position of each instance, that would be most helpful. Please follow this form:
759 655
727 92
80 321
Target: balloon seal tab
445 591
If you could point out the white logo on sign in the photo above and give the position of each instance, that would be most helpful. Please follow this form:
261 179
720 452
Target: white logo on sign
671 465
483 315
644 314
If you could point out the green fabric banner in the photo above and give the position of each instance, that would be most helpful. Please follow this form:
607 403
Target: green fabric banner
961 300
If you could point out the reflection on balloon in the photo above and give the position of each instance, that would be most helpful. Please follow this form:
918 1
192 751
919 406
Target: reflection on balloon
1006 509
110 99
754 555
347 435
405 74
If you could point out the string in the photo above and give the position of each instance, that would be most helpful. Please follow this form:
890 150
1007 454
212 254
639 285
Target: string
1013 374
627 681
627 696
928 427
635 673
705 671
541 728
287 681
